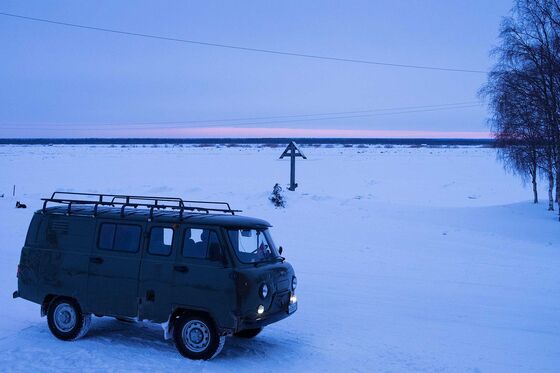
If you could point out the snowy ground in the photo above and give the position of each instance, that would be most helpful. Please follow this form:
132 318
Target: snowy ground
424 259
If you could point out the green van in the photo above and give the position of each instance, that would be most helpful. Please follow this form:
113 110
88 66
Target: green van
195 267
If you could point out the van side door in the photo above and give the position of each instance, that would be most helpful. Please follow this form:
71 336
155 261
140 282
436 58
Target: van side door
203 274
114 266
156 272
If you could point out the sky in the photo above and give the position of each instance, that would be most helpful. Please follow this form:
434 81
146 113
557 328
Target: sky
59 81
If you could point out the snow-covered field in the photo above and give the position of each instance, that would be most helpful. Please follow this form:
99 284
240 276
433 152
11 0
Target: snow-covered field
408 259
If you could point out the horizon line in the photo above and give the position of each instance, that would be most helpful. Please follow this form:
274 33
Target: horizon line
271 133
243 138
278 141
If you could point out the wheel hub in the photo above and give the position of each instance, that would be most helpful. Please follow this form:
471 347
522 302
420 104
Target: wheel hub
65 317
196 335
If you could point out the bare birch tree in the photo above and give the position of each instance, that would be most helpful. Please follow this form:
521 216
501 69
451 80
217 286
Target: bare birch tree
523 90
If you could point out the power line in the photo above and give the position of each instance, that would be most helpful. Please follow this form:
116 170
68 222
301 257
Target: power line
129 126
202 121
261 120
319 119
247 49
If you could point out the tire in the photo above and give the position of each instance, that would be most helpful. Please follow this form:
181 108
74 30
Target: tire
197 338
248 333
66 320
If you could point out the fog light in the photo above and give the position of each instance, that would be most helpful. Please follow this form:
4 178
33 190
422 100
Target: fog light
260 310
293 299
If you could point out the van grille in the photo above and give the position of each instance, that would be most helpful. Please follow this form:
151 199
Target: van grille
281 301
283 285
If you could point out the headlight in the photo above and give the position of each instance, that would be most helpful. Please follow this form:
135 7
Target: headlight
294 283
260 309
263 291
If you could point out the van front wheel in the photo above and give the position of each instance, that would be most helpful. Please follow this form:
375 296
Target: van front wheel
196 337
66 320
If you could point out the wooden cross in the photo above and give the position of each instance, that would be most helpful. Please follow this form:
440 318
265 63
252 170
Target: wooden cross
293 151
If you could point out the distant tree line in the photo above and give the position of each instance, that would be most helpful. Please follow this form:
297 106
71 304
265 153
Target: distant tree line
523 91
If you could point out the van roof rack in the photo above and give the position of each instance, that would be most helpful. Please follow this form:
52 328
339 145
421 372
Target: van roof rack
123 201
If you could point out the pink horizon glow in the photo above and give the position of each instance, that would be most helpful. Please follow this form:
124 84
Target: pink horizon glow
253 132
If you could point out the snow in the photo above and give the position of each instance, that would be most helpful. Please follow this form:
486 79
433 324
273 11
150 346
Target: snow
408 259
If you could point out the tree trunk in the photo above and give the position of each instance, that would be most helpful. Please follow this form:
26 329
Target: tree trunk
534 173
535 193
558 190
550 191
557 186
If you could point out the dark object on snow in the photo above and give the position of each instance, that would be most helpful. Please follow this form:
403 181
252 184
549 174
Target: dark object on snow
96 254
20 205
293 151
277 197
126 320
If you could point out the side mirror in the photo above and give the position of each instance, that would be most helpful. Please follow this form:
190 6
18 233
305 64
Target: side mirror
280 250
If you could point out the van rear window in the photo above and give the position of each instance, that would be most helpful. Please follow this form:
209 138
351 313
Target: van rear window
119 237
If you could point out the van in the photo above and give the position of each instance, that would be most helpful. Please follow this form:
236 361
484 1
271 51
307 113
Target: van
195 267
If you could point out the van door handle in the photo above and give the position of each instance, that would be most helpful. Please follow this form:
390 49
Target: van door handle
96 259
182 269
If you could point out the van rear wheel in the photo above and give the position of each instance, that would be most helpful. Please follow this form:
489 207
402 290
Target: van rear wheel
248 333
66 320
197 338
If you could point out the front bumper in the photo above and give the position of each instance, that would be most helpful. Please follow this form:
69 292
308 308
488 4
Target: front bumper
273 315
259 322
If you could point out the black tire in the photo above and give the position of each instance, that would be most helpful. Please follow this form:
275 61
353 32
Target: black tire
248 333
197 338
66 320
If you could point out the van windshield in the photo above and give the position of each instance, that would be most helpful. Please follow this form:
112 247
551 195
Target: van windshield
253 245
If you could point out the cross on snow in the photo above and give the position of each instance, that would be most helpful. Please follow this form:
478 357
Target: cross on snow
293 151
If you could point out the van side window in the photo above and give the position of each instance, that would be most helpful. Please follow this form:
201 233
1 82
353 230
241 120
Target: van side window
202 244
106 236
161 239
119 237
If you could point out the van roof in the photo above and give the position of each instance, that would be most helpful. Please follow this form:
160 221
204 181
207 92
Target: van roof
166 216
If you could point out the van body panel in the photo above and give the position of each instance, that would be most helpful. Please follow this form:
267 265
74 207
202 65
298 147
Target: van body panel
277 276
112 288
155 286
57 262
204 284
